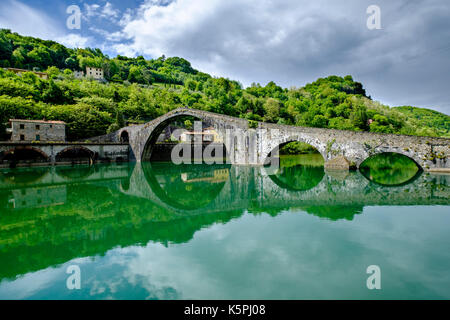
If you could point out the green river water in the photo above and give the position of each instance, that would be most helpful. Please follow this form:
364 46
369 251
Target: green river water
161 231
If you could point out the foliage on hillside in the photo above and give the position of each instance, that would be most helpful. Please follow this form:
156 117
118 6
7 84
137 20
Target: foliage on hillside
35 54
427 117
138 90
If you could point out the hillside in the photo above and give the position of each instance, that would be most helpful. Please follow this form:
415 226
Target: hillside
138 90
427 117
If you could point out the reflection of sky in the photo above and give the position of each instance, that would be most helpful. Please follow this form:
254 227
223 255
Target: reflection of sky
293 255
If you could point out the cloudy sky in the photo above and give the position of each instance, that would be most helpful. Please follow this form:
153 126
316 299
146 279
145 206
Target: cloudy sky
291 42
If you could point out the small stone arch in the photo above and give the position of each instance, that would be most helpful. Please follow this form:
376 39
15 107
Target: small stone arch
91 154
411 156
124 136
11 151
317 145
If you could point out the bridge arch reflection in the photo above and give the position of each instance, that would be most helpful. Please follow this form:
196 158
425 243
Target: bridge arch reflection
390 169
298 178
71 222
68 173
186 187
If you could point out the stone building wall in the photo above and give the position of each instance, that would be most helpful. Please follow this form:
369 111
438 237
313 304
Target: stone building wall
31 130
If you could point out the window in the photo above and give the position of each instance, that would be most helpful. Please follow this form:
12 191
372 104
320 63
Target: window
38 127
38 137
22 137
22 126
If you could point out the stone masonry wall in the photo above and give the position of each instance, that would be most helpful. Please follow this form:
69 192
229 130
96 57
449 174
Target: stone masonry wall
251 146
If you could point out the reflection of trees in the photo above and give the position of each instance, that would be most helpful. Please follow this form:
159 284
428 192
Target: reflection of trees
96 216
334 212
76 172
186 187
23 175
390 169
92 221
298 178
4 199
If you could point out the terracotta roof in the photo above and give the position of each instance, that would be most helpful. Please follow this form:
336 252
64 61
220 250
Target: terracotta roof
39 121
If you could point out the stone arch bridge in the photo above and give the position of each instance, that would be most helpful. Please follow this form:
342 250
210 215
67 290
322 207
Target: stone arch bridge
52 153
251 145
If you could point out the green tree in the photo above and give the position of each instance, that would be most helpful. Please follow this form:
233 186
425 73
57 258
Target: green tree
188 124
272 110
53 94
319 121
359 117
6 47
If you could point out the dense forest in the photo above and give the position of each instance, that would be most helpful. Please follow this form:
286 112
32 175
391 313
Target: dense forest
136 90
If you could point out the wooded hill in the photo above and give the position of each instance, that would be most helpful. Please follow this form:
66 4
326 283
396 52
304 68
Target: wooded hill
137 90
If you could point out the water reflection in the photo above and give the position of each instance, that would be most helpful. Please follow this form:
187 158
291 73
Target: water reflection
299 178
86 212
70 173
186 186
26 175
390 169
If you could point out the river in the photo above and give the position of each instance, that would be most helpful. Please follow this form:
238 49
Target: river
160 231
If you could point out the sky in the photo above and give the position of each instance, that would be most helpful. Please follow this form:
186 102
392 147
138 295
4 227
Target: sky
291 42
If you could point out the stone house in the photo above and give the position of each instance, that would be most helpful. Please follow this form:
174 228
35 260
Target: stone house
96 73
37 130
78 74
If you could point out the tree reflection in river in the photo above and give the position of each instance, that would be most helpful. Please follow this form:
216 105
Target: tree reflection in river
60 217
186 186
390 169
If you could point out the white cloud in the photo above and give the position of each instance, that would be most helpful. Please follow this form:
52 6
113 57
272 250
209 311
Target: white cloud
291 42
294 42
23 19
109 36
35 23
109 12
73 40
91 9
96 11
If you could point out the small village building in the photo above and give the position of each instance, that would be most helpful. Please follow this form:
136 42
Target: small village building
206 135
17 71
96 73
78 74
37 130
